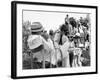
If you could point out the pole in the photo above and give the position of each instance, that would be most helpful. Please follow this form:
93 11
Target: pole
50 60
43 59
56 58
31 60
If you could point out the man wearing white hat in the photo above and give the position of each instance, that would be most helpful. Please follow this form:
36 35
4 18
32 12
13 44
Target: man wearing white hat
38 45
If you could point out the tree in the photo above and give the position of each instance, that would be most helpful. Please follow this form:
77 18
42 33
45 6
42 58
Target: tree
26 33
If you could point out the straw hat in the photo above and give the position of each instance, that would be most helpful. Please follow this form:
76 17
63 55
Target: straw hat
81 45
36 27
36 40
77 35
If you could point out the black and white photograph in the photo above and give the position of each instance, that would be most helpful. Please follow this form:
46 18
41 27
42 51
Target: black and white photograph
55 38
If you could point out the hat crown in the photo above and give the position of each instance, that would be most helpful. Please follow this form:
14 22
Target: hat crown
36 27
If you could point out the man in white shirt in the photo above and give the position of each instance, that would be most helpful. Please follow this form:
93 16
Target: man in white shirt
40 47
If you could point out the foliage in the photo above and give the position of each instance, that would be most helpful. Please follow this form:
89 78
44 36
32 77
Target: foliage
25 34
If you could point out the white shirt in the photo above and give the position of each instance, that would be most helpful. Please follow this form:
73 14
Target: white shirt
64 39
35 40
64 48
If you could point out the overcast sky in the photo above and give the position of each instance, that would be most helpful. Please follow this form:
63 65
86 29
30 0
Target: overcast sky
49 20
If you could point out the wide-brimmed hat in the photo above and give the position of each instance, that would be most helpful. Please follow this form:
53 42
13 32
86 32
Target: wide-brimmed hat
36 27
77 35
81 45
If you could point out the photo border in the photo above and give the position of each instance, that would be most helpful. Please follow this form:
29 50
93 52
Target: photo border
14 38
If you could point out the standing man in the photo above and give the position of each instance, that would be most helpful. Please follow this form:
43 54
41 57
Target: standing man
38 44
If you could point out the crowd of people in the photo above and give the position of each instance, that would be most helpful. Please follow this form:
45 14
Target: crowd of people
68 46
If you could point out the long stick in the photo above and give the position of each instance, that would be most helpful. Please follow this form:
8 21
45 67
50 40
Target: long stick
50 61
43 59
31 60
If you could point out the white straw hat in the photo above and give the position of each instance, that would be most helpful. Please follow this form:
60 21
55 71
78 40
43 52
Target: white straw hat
81 45
78 34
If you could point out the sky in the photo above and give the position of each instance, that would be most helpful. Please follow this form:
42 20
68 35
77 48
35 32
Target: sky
49 20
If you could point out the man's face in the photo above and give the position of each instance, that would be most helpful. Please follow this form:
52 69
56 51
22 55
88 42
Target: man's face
45 35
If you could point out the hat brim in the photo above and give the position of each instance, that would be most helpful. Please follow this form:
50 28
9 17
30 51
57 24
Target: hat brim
76 36
39 30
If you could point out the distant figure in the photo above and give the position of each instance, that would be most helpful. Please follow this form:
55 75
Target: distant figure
64 46
51 34
67 19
